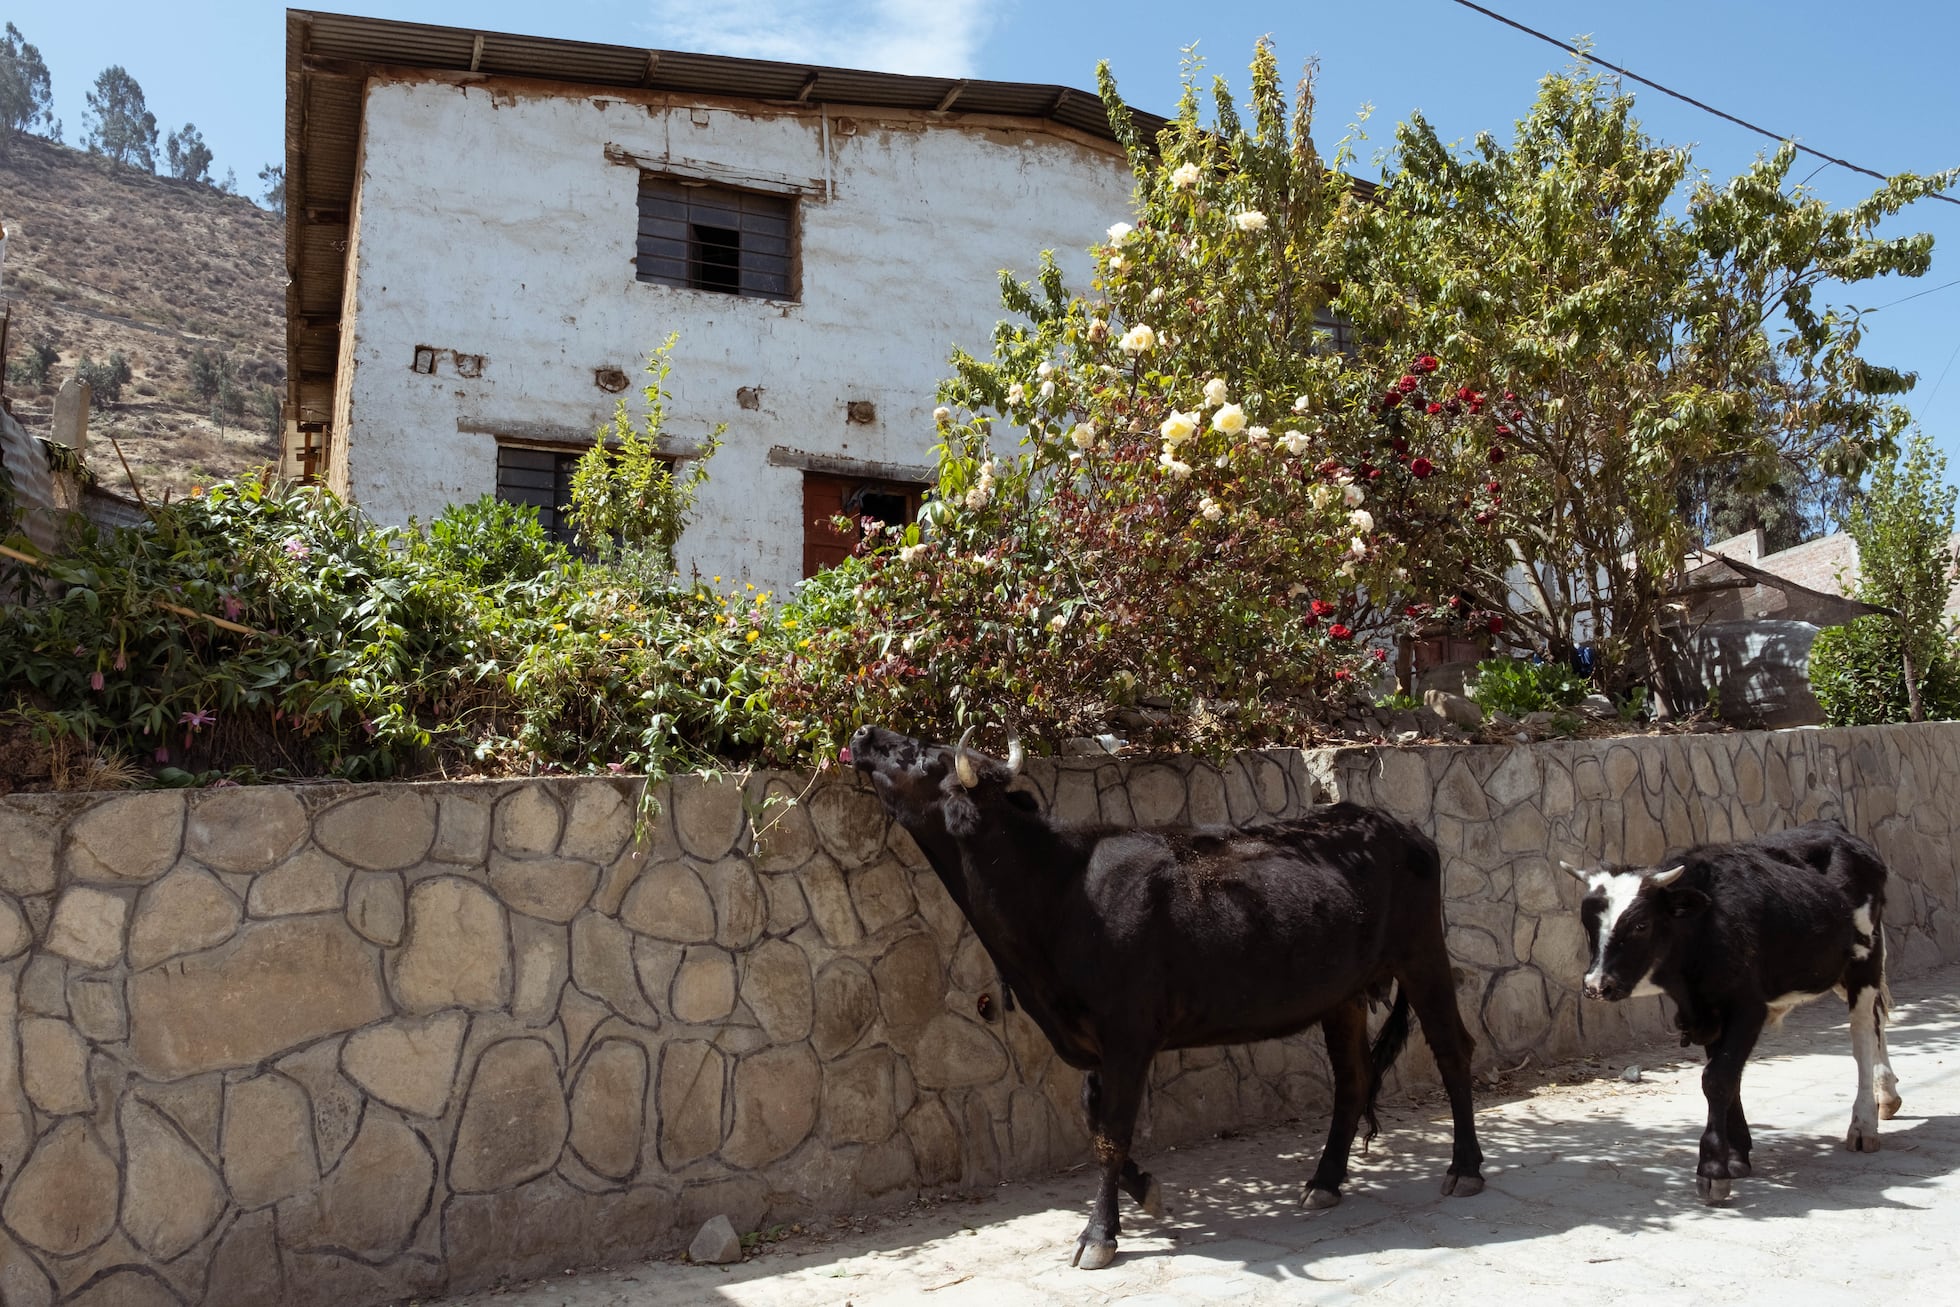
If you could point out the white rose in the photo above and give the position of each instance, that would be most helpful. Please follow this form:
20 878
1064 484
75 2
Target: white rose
1211 509
1170 464
1058 621
1116 263
1296 443
1230 420
909 552
1044 369
1346 569
1015 393
1215 391
1119 232
1098 330
1352 495
942 415
1084 435
1255 436
1185 176
1048 390
1357 547
1321 495
1156 296
976 498
1138 340
1179 426
1249 220
1302 404
1363 520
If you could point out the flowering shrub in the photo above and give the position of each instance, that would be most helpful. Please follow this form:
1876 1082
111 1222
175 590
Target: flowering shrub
1170 492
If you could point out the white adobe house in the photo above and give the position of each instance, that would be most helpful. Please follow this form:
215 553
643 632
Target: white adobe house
486 234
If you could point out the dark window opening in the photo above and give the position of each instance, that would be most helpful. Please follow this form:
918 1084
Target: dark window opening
715 238
825 498
541 478
715 258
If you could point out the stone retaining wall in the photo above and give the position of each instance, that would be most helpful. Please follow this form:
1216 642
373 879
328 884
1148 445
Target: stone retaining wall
343 1044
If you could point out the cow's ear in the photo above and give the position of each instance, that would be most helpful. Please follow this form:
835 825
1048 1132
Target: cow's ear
960 812
1024 801
1686 903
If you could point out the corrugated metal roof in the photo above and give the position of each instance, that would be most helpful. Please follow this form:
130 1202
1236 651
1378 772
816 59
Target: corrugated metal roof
327 59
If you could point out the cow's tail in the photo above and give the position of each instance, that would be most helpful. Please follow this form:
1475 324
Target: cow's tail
1389 1042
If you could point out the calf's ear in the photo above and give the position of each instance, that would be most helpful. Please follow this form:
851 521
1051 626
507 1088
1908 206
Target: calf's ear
961 813
1686 903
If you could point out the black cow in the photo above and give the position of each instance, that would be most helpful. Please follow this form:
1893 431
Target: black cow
1119 943
1738 935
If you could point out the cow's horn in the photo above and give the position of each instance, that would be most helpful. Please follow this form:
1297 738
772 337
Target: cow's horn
1579 872
1668 877
1016 755
963 764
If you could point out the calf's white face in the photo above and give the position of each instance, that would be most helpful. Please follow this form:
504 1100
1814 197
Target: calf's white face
1628 919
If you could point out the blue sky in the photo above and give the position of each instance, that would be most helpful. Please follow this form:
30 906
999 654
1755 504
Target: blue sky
1871 82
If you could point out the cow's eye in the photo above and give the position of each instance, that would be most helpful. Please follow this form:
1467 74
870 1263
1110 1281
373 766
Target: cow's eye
1636 928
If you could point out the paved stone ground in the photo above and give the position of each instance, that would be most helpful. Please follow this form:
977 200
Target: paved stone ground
1591 1197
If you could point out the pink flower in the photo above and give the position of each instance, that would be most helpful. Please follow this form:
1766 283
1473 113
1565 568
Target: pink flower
615 767
122 660
297 547
95 679
80 651
163 753
197 720
233 608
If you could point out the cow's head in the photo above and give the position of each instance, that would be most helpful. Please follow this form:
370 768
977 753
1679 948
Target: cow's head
925 784
1633 915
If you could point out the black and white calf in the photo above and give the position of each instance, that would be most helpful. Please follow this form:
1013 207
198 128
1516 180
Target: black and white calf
1737 935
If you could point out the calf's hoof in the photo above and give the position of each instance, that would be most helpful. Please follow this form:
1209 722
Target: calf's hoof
1711 1189
1093 1255
1321 1199
1740 1169
1889 1107
1861 1138
1153 1200
1462 1186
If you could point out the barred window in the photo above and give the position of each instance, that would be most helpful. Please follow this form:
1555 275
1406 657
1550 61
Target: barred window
541 478
715 238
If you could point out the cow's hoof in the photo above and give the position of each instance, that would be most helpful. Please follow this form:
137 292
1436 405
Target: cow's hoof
1712 1190
1889 1107
1739 1168
1322 1198
1861 1138
1153 1200
1462 1186
1093 1256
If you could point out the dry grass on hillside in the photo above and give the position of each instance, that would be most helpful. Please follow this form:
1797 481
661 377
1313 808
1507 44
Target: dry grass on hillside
104 258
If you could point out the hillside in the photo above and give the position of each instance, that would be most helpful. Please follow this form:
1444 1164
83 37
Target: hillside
103 258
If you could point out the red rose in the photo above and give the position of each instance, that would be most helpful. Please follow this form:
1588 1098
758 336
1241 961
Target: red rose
1339 632
1427 363
1433 409
1497 453
1422 467
1391 398
1493 486
1340 673
1407 383
1381 655
1468 395
1484 517
1496 624
1321 608
1510 396
1401 446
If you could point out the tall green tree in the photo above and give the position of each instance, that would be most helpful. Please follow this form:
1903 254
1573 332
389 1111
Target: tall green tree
1643 324
273 178
1906 562
119 124
186 154
26 91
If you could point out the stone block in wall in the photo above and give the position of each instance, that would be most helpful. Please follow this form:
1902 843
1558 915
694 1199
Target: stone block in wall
542 954
130 839
172 1197
608 1108
187 911
703 988
859 1098
245 829
88 926
16 935
598 822
377 907
846 1005
785 837
381 830
409 1063
690 1098
775 1093
245 1268
54 1067
455 951
63 1199
95 1004
27 845
954 1052
670 902
309 881
527 823
1157 795
882 894
709 815
371 1200
741 912
777 987
463 825
515 1081
548 888
911 981
829 897
268 1140
277 985
849 821
602 966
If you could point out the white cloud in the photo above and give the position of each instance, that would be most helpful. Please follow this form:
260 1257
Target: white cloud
929 38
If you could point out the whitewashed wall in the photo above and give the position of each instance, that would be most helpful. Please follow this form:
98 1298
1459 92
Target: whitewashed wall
491 222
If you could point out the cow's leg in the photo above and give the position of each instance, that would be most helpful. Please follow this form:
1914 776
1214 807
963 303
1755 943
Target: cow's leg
1739 1141
1138 1183
1118 1095
1346 1031
1867 1046
1434 999
1889 1101
1721 1084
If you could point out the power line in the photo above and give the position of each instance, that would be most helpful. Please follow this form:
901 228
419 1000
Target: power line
1686 99
1916 294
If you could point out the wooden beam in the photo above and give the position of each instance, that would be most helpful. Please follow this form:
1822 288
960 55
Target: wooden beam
476 53
952 94
809 85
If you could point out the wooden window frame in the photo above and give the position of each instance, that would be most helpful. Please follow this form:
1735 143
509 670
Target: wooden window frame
675 214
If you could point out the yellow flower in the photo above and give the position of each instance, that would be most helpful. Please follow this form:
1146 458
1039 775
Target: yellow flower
790 622
557 626
804 645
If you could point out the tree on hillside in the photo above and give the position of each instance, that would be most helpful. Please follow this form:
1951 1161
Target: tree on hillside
273 178
26 92
1637 342
119 124
1904 530
188 157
